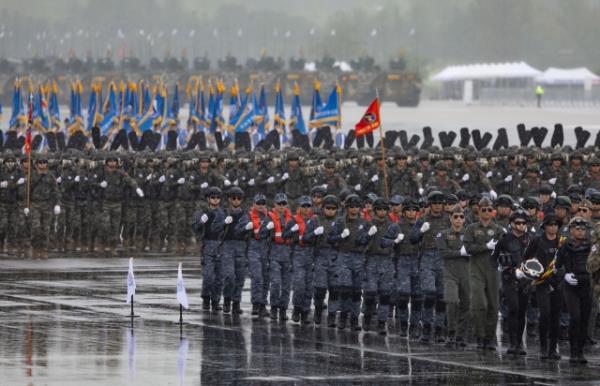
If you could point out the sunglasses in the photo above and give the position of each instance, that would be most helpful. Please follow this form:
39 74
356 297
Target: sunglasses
530 207
490 210
584 210
520 223
411 209
42 162
402 158
331 207
283 203
215 197
261 203
580 227
305 206
353 206
456 216
239 198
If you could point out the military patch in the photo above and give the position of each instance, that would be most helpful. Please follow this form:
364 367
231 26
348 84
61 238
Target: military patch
490 232
478 232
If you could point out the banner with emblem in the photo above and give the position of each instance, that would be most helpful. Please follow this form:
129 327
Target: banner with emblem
370 120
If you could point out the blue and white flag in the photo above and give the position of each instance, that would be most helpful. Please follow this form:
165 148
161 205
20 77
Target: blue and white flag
181 294
130 281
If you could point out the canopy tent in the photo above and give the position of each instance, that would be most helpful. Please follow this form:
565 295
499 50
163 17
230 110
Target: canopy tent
567 76
486 71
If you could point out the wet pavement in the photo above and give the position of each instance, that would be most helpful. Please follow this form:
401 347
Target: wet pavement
65 321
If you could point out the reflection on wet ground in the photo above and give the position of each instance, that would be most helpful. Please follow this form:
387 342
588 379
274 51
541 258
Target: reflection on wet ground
64 321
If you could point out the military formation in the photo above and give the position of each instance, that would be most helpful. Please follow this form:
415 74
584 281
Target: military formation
430 244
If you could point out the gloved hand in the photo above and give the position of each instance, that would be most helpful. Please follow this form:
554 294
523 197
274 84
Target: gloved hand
357 187
419 176
295 228
162 179
77 179
488 174
421 190
21 181
181 181
324 186
491 245
26 211
235 182
204 185
552 181
249 226
59 180
270 225
204 218
270 180
227 182
466 177
228 220
251 182
345 233
375 178
519 274
553 194
532 230
285 176
493 194
149 177
319 231
508 178
425 227
3 184
103 184
56 210
139 192
570 278
399 238
463 251
372 230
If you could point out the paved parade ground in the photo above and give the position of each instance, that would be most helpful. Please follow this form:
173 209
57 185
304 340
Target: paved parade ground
64 322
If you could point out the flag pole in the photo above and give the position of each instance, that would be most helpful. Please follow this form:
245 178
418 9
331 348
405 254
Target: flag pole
385 171
132 314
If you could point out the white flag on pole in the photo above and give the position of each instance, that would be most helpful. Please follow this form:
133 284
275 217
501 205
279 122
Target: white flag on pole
181 294
130 281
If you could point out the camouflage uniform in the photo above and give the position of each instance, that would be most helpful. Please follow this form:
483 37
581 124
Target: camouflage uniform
44 196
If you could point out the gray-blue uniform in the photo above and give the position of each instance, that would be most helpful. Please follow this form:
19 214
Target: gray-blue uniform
258 259
302 266
431 273
210 233
233 258
281 263
348 265
324 255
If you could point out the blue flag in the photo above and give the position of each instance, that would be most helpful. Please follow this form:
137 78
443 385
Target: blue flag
296 118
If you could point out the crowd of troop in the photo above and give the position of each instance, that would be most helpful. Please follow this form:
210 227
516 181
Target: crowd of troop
437 240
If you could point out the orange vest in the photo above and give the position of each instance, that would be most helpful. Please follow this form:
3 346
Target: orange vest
255 217
394 217
278 226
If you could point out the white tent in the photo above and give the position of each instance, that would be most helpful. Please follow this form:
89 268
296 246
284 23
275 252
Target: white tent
485 71
567 76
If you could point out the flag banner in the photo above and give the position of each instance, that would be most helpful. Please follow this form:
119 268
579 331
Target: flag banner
130 281
181 294
370 120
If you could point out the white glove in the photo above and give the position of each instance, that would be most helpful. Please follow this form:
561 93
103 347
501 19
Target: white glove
532 229
508 178
181 181
425 227
77 179
204 218
285 176
463 251
519 274
3 184
552 181
500 268
226 182
270 180
235 182
228 220
466 177
59 180
324 186
421 190
319 231
553 194
103 184
419 176
56 210
372 230
249 226
270 225
345 233
251 182
570 278
204 185
21 181
295 228
26 211
399 238
488 174
149 177
162 179
493 194
357 187
491 245
139 192
375 178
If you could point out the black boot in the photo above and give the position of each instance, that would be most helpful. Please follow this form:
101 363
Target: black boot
283 315
426 335
255 308
544 349
215 305
366 322
451 338
489 344
273 313
403 329
460 341
318 314
304 318
415 330
227 306
343 318
205 303
354 323
296 315
439 335
381 329
237 310
262 311
330 319
552 353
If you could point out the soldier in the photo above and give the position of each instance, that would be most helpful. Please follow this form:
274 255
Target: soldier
425 231
456 277
441 181
480 240
185 207
293 181
45 197
233 252
572 259
208 226
504 205
562 207
168 182
317 193
259 225
284 229
395 208
329 179
593 267
377 181
302 261
592 176
474 179
349 237
556 174
11 177
402 177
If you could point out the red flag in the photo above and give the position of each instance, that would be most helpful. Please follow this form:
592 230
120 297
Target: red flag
369 121
28 141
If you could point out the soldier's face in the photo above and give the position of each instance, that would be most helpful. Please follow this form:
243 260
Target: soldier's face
595 168
330 170
204 164
556 163
10 165
42 166
293 163
551 229
486 213
574 207
436 207
578 232
381 212
504 211
316 199
470 163
111 165
457 219
576 162
401 162
560 212
410 213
